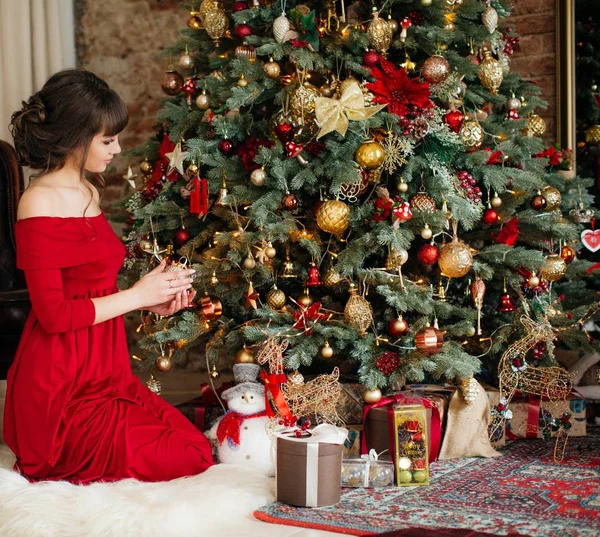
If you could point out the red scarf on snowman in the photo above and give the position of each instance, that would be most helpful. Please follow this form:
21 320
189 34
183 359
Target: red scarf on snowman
230 424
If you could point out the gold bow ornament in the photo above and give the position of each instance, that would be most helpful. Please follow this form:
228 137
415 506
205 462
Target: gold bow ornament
334 114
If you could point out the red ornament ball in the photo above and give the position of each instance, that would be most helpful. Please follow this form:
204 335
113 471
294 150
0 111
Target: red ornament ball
290 202
284 131
240 6
226 146
428 254
242 30
181 237
397 327
371 58
538 202
388 362
454 119
490 217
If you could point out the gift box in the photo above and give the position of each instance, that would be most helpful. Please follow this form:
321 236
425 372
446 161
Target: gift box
367 472
352 443
205 410
411 456
498 436
534 417
350 404
309 468
378 425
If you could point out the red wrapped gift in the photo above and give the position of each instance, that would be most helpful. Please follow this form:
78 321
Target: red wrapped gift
374 430
204 410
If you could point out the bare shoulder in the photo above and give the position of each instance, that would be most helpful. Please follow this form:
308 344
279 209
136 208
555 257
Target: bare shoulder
39 199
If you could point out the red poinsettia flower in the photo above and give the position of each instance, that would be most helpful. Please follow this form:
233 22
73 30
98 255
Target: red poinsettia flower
495 157
554 157
383 209
400 93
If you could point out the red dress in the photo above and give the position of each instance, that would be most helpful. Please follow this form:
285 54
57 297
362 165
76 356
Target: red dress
74 410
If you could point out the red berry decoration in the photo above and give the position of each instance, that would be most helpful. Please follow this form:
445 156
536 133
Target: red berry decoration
371 58
397 327
454 119
428 254
490 217
289 202
538 202
242 30
181 237
226 146
240 6
469 185
284 131
388 362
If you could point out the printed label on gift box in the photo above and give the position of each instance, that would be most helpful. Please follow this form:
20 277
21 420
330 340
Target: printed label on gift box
411 449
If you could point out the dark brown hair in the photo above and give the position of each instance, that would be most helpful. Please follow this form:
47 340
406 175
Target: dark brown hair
63 117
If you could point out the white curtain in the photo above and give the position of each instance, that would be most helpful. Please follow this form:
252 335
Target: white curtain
37 38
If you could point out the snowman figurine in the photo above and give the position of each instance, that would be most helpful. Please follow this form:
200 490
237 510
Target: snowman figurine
241 434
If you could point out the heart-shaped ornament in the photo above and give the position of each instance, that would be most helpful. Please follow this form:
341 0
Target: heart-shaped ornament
591 239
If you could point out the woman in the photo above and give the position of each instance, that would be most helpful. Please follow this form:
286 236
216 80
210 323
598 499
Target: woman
74 410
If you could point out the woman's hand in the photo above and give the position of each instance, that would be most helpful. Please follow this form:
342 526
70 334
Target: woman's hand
180 302
159 288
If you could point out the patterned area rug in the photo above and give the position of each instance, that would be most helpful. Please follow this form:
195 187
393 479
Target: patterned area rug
524 492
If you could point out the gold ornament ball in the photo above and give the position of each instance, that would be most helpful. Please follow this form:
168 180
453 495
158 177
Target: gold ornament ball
186 61
305 299
393 24
396 258
302 102
258 177
426 232
490 72
592 135
496 201
471 134
372 395
245 356
568 254
470 332
249 262
534 280
455 259
536 126
147 246
243 81
370 155
271 69
327 351
435 69
276 298
554 268
332 278
203 101
270 251
146 167
332 217
163 364
402 186
553 198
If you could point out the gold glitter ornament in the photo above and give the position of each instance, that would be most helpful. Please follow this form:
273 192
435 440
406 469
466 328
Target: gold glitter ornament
302 102
490 72
455 258
358 313
216 23
469 389
370 155
553 198
271 69
380 34
206 7
592 136
471 134
435 69
245 356
163 363
276 298
332 278
423 202
489 18
536 126
203 101
554 268
332 217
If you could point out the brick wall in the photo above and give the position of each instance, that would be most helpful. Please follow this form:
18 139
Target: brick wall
535 57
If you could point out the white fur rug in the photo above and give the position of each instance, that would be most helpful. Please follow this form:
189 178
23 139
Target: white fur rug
211 504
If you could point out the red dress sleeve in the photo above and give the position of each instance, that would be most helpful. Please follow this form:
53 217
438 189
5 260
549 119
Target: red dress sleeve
46 245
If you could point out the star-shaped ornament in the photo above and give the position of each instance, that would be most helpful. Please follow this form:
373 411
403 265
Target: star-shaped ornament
176 159
130 177
305 317
251 297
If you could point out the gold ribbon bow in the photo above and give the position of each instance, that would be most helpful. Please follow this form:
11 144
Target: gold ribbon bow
334 114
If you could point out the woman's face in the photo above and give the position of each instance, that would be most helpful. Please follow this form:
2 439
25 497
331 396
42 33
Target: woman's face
102 149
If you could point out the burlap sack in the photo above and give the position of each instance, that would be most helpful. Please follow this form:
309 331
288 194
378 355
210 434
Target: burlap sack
467 428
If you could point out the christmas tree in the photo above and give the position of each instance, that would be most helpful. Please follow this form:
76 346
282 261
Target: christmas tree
369 186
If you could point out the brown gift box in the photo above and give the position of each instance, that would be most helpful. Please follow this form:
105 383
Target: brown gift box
309 473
